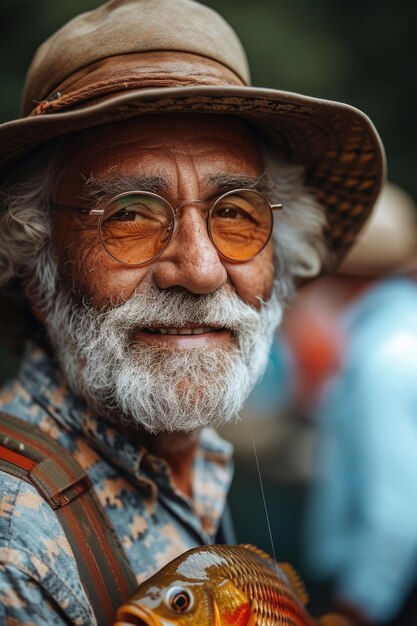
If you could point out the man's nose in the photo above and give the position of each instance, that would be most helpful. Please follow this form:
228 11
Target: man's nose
191 261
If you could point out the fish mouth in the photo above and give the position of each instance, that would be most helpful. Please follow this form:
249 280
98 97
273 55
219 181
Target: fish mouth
137 615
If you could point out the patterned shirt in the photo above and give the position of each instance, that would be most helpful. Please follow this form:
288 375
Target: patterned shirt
154 520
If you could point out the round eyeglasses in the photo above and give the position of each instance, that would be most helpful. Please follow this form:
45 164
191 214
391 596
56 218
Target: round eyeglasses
137 226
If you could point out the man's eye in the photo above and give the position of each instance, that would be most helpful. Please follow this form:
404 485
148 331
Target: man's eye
232 213
124 216
134 213
228 212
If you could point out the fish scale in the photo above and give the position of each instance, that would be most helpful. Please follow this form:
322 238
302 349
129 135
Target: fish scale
220 585
270 588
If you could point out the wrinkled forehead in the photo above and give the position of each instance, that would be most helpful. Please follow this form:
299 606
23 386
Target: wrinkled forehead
177 128
164 145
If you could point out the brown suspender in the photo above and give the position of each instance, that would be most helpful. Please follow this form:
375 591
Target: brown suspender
30 454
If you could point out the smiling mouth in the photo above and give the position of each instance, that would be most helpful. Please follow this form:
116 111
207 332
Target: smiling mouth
198 330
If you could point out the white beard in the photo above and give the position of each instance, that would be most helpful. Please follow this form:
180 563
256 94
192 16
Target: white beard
161 389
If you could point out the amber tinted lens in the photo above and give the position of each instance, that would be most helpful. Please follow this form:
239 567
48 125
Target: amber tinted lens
240 224
136 227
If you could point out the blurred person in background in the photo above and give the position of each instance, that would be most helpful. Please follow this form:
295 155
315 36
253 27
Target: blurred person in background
357 374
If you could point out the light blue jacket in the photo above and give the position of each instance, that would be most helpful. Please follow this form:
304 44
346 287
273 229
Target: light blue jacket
362 523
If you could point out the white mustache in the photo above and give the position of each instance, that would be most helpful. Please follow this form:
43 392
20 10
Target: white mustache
176 309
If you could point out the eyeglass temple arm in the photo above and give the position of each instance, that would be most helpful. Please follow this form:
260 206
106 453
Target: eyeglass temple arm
76 209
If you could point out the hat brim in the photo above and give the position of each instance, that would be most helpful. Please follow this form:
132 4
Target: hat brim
338 145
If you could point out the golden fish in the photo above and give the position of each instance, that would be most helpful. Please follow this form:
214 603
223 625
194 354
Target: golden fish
221 585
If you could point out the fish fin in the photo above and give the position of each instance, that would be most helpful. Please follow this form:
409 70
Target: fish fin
296 582
240 616
257 551
217 617
334 620
231 605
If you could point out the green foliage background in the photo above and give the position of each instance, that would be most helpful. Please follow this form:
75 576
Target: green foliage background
362 52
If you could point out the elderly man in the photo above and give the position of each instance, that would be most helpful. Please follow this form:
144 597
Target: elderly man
139 194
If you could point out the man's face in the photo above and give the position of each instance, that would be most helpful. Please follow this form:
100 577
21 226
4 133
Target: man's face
186 153
187 295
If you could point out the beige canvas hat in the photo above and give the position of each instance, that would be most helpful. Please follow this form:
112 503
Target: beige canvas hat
117 62
388 242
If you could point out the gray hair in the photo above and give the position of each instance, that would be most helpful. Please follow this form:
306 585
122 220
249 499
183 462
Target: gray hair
298 228
25 224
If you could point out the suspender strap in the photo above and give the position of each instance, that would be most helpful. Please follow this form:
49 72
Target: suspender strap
30 454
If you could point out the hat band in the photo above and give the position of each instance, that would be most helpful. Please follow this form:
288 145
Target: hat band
145 70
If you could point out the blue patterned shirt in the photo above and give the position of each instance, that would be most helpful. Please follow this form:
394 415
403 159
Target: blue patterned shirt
153 519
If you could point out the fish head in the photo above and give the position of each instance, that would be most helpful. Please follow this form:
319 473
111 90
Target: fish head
183 603
179 602
190 590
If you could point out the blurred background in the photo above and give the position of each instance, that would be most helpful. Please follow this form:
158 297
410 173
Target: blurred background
361 52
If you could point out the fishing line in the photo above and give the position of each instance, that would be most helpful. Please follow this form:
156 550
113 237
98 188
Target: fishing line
248 419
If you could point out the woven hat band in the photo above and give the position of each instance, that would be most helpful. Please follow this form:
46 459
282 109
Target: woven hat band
142 70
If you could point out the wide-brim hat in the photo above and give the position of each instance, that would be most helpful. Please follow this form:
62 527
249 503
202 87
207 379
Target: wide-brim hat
387 243
137 57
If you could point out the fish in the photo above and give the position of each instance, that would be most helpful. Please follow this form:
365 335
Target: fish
222 585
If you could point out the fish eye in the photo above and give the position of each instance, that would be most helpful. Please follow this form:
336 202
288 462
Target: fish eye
179 599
